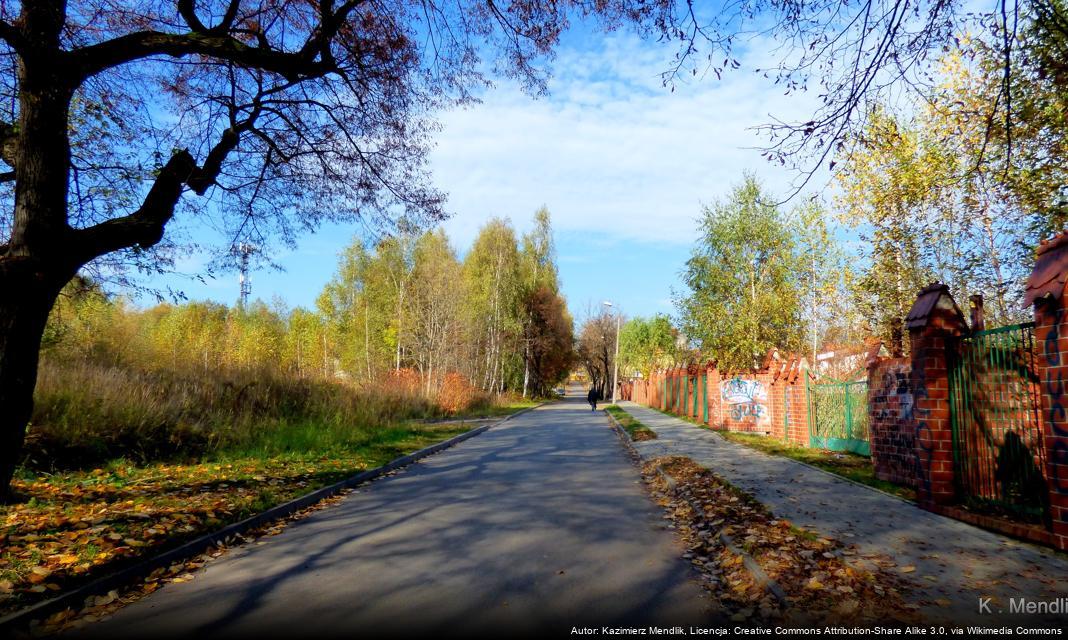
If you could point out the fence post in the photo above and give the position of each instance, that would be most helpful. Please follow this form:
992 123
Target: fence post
1046 291
712 380
934 323
678 390
685 409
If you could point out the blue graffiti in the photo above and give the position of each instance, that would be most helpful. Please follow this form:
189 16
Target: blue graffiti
1057 416
918 415
745 410
746 398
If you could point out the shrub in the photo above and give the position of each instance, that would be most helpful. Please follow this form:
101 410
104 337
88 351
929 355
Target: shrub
457 394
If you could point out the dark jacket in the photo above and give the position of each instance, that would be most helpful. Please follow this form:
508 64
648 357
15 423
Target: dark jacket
593 396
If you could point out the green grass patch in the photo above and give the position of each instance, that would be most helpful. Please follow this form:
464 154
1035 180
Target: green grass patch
848 465
637 431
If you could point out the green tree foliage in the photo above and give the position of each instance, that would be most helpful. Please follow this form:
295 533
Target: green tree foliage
433 309
496 319
494 314
646 344
963 189
409 302
891 189
747 276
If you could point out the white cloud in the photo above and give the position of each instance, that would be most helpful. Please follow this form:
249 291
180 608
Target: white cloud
610 151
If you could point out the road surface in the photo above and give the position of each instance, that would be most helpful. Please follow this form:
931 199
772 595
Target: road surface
538 525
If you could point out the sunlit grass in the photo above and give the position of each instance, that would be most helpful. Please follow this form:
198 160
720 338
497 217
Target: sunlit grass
630 424
848 465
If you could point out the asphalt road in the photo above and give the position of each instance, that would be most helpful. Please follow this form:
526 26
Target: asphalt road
538 525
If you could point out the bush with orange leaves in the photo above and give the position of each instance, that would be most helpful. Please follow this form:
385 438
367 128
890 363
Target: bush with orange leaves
404 381
457 394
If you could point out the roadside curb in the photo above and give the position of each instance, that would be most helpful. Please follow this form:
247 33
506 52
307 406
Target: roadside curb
73 599
751 565
628 444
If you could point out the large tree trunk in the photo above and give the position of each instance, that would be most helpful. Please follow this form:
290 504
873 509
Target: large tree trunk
39 257
27 299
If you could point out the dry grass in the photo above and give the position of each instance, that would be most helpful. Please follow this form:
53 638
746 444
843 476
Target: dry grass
86 414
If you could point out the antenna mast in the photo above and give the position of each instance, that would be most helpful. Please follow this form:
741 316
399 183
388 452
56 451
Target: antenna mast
245 250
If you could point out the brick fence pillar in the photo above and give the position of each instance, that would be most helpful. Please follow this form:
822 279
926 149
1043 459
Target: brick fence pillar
934 323
1046 291
712 380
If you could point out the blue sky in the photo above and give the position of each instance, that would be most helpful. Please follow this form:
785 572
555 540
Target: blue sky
623 164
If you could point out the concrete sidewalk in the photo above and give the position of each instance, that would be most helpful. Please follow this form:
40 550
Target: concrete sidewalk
535 526
955 564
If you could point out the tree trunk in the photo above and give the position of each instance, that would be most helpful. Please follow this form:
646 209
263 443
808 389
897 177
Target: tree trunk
37 261
28 297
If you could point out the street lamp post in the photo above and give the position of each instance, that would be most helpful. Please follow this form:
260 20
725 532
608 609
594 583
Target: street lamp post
615 361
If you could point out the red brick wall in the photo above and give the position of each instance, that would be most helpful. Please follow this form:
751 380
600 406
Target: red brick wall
770 401
796 407
1051 335
930 395
890 419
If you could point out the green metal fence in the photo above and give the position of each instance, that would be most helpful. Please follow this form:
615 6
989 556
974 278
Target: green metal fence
838 416
999 455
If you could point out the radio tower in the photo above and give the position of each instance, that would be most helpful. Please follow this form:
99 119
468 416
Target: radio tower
245 250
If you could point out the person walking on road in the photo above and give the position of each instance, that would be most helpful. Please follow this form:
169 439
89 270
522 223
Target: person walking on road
592 398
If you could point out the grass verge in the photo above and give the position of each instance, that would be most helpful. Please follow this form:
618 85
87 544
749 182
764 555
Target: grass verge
638 432
847 465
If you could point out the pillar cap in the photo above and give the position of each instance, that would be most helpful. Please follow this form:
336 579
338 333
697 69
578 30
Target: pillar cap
1051 270
931 298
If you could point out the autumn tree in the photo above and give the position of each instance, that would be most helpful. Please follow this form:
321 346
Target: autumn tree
548 337
357 311
646 344
595 351
538 271
893 188
491 276
435 318
747 276
962 188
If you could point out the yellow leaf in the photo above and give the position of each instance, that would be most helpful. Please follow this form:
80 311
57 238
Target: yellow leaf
908 569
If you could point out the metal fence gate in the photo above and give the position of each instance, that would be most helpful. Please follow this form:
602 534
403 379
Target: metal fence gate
999 457
838 416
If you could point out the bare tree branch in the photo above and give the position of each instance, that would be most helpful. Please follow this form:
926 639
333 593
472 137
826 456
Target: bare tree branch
143 227
94 59
11 35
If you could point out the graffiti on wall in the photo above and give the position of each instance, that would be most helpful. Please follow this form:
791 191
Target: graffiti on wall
746 399
1055 391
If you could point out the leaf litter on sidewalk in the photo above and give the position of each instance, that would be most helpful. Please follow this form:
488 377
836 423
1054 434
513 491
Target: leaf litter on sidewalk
824 581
